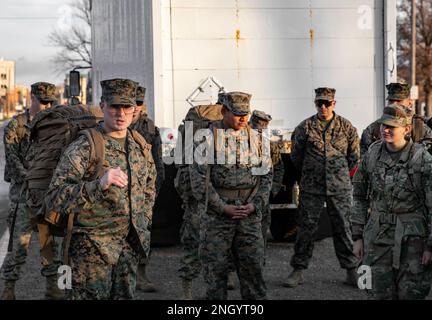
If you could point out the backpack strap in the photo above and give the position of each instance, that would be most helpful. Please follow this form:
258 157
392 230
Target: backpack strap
139 139
97 151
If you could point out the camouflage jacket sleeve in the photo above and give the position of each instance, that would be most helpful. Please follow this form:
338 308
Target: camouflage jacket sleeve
14 162
157 157
299 139
427 188
359 214
278 172
353 153
365 141
261 199
67 190
150 191
369 136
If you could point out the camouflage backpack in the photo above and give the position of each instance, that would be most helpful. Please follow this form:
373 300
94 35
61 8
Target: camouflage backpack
51 132
22 119
202 117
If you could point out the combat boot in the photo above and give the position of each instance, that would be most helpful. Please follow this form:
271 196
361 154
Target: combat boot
294 279
143 283
52 290
187 289
351 277
8 291
231 281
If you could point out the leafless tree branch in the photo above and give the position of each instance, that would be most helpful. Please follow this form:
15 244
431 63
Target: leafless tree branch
74 43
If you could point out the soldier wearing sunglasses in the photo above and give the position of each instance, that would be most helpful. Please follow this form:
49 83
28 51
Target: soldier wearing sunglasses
325 149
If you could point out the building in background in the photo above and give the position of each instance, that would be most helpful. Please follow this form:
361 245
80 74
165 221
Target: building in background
22 98
7 88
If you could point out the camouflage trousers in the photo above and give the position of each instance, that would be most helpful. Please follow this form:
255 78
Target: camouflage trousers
94 279
265 225
411 281
223 238
190 263
338 209
22 233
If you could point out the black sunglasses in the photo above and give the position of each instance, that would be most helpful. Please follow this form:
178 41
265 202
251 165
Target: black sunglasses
326 103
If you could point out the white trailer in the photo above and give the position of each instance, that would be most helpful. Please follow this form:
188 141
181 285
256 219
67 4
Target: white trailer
277 50
182 51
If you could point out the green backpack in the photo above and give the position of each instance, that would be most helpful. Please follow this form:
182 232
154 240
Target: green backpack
202 117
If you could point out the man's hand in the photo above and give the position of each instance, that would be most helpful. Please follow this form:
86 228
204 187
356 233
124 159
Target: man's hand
427 258
358 249
115 177
239 212
234 212
249 208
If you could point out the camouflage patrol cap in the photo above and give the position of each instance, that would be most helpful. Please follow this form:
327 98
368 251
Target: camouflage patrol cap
398 91
394 116
140 94
325 93
119 91
237 102
44 91
260 119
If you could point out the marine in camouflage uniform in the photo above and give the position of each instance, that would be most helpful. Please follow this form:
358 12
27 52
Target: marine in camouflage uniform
146 127
392 212
399 94
234 200
190 262
325 148
17 142
111 229
260 121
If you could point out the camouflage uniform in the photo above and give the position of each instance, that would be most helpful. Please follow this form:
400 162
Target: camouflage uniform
190 263
16 142
420 131
396 228
222 237
324 153
146 127
44 91
112 228
260 120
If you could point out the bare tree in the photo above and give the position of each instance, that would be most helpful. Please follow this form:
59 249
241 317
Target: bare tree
75 40
423 46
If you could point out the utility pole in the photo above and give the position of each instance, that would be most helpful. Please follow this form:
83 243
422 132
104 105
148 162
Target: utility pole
413 50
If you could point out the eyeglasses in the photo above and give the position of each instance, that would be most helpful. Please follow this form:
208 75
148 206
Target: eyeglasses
326 103
126 109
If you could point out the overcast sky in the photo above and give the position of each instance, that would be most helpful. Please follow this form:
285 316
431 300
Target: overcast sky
24 29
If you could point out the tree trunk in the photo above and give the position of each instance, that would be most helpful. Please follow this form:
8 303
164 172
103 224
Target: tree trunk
428 100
